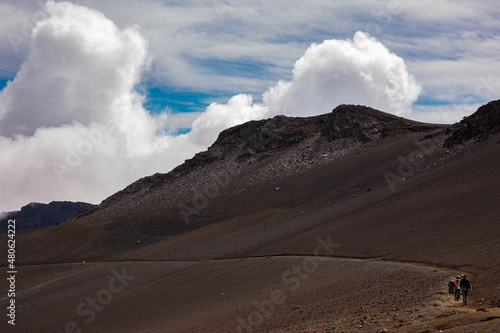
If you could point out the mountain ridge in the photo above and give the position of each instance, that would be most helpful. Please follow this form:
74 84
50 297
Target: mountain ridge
259 139
40 215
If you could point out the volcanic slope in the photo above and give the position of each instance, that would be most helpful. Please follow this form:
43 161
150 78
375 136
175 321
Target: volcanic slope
352 221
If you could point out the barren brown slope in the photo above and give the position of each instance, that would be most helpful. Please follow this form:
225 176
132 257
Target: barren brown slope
443 214
233 179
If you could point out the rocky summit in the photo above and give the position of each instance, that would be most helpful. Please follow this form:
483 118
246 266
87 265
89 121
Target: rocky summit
261 150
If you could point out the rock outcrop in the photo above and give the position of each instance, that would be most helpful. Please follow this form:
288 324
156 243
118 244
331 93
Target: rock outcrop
479 126
287 145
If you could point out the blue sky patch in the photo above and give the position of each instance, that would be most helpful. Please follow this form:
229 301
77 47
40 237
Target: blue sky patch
235 68
3 82
175 100
423 100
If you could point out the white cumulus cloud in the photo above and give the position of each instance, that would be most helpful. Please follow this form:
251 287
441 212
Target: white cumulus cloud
238 110
79 65
357 71
72 126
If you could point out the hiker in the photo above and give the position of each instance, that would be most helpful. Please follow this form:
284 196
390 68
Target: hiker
465 287
457 288
451 289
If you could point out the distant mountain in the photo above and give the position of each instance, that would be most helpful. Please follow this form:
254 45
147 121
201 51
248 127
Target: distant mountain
39 215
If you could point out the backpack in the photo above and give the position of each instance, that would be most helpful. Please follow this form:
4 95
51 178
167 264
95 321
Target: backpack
465 285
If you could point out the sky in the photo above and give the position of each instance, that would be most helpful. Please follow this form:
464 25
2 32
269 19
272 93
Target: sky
97 94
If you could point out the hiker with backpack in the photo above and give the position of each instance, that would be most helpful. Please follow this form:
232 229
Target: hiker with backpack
451 289
465 287
457 288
